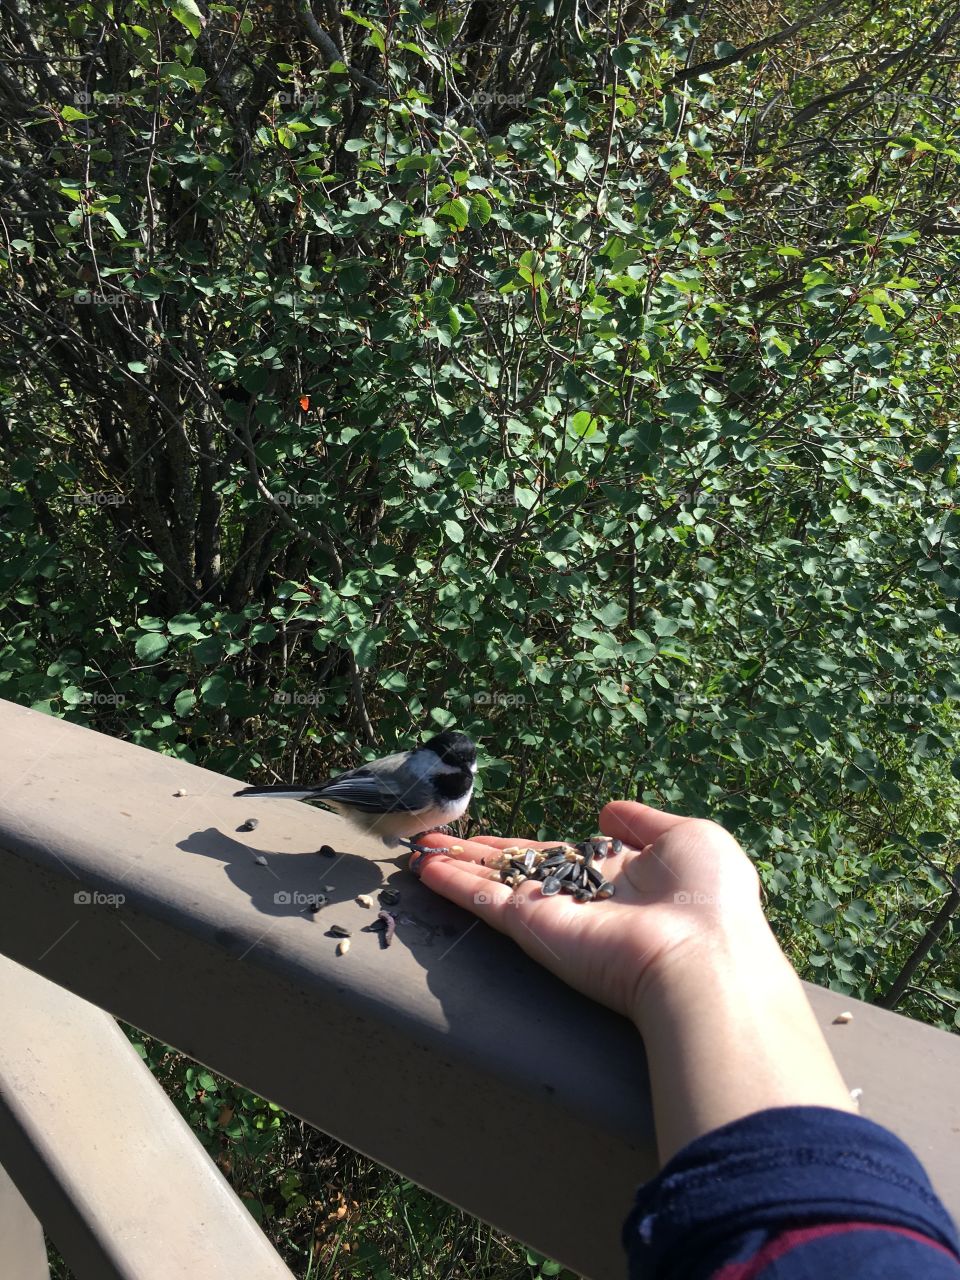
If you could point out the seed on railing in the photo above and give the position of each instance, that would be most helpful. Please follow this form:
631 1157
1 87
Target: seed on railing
251 824
389 926
389 897
318 902
846 1016
339 931
180 792
343 947
260 860
363 900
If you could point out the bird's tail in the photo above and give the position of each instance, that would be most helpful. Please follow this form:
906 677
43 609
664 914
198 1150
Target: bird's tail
281 791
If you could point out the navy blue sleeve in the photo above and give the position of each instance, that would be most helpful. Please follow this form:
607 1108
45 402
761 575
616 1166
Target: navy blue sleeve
790 1193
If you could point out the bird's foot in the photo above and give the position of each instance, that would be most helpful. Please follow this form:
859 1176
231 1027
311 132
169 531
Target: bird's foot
422 851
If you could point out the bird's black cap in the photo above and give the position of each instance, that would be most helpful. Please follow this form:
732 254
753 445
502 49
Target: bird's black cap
453 747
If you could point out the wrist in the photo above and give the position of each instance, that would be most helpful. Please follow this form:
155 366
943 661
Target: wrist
728 1031
722 953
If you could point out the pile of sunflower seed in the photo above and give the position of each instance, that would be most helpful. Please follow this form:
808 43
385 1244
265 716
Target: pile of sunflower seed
563 868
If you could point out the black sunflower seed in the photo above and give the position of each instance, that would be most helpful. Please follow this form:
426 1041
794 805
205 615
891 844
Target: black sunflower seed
606 890
550 886
617 846
251 824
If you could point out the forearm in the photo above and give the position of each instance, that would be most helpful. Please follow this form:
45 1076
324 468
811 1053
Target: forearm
728 1031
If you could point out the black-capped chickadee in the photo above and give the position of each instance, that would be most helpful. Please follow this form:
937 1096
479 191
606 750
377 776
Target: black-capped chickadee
400 797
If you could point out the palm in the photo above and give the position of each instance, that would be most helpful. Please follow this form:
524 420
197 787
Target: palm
674 875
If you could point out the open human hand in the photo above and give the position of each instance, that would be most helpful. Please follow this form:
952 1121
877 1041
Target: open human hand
680 883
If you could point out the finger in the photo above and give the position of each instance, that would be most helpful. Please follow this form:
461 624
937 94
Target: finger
508 842
482 847
634 823
461 883
467 850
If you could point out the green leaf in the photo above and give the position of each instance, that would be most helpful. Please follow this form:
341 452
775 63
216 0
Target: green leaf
214 690
151 645
457 211
480 209
185 624
184 702
188 15
116 224
820 913
819 727
453 531
611 614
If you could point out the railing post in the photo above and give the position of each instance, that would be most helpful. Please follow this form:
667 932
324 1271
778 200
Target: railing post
23 1251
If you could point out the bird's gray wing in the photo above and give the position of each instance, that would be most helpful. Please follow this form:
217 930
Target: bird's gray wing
371 792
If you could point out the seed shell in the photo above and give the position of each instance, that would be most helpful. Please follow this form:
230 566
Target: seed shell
389 923
343 947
